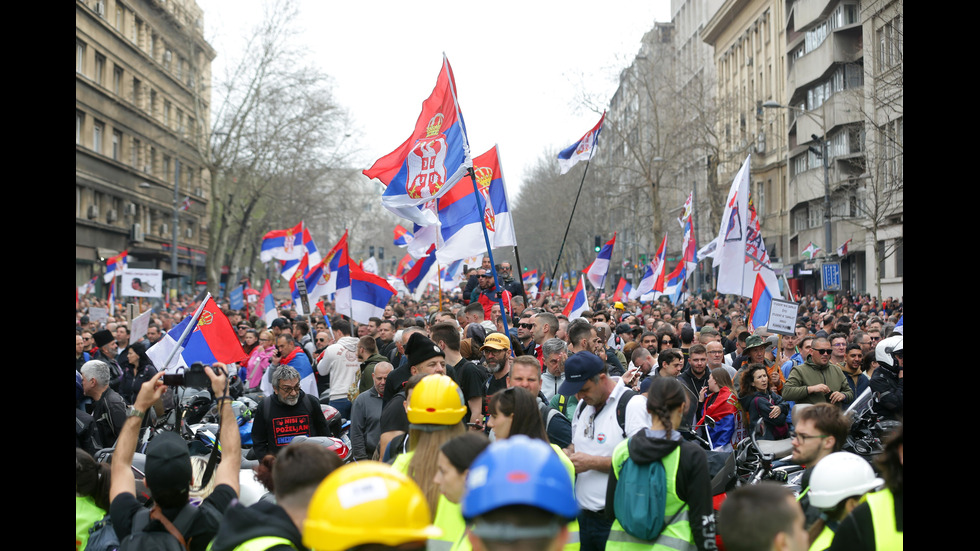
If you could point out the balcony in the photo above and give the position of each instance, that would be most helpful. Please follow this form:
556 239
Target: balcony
842 108
842 46
808 12
806 186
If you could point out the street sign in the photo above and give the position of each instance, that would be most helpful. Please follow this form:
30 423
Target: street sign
830 275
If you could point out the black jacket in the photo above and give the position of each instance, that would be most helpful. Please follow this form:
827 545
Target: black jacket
242 524
109 413
886 382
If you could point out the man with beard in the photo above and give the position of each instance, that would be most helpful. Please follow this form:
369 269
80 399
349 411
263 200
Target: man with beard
288 413
857 380
496 352
108 352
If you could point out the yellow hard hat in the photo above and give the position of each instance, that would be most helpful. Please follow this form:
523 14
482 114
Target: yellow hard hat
367 502
436 400
619 306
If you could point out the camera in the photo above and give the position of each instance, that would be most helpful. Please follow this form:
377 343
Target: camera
193 376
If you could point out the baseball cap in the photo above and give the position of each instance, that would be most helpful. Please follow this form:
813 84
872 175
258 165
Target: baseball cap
168 464
496 341
580 367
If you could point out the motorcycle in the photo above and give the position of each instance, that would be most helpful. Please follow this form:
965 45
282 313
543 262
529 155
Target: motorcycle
756 460
868 430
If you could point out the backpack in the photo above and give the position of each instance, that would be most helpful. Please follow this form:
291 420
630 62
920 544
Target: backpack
102 536
171 539
641 499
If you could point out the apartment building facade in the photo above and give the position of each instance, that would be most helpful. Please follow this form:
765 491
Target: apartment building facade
142 100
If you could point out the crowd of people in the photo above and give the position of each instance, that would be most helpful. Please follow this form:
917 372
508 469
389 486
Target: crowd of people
483 425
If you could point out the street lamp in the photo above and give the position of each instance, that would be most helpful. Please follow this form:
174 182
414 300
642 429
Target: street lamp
821 119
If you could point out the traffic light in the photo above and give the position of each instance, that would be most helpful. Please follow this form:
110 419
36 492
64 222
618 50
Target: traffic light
370 251
381 253
598 243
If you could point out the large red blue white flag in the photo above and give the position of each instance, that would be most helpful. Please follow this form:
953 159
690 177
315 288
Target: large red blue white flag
581 150
283 244
461 219
430 162
596 272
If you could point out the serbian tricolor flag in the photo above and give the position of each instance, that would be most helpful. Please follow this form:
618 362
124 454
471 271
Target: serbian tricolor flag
209 338
115 266
453 273
420 271
596 272
842 250
653 279
530 278
299 273
761 304
430 162
283 244
289 266
266 308
578 302
402 236
674 283
582 149
404 265
463 214
365 296
623 289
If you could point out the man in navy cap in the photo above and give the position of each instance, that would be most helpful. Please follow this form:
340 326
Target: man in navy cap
596 430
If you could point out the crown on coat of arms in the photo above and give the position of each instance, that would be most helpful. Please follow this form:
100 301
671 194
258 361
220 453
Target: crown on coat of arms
435 125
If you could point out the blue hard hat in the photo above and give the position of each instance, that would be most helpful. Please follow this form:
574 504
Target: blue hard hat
519 471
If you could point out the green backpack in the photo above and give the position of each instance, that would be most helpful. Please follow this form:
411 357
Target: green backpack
641 499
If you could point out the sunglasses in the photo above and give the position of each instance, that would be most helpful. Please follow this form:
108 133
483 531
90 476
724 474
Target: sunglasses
525 326
823 351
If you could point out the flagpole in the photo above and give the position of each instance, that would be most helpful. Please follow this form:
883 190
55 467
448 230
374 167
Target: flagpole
486 238
187 330
572 215
349 261
439 277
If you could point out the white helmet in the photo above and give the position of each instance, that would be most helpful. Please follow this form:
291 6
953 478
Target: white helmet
885 348
839 476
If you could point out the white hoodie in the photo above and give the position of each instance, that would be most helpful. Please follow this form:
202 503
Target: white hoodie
341 363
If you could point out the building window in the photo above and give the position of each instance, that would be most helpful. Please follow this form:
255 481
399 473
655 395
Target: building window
889 44
136 92
80 57
117 76
150 167
99 69
180 122
166 168
116 144
815 215
135 161
153 103
97 130
800 219
120 17
153 45
79 123
166 113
